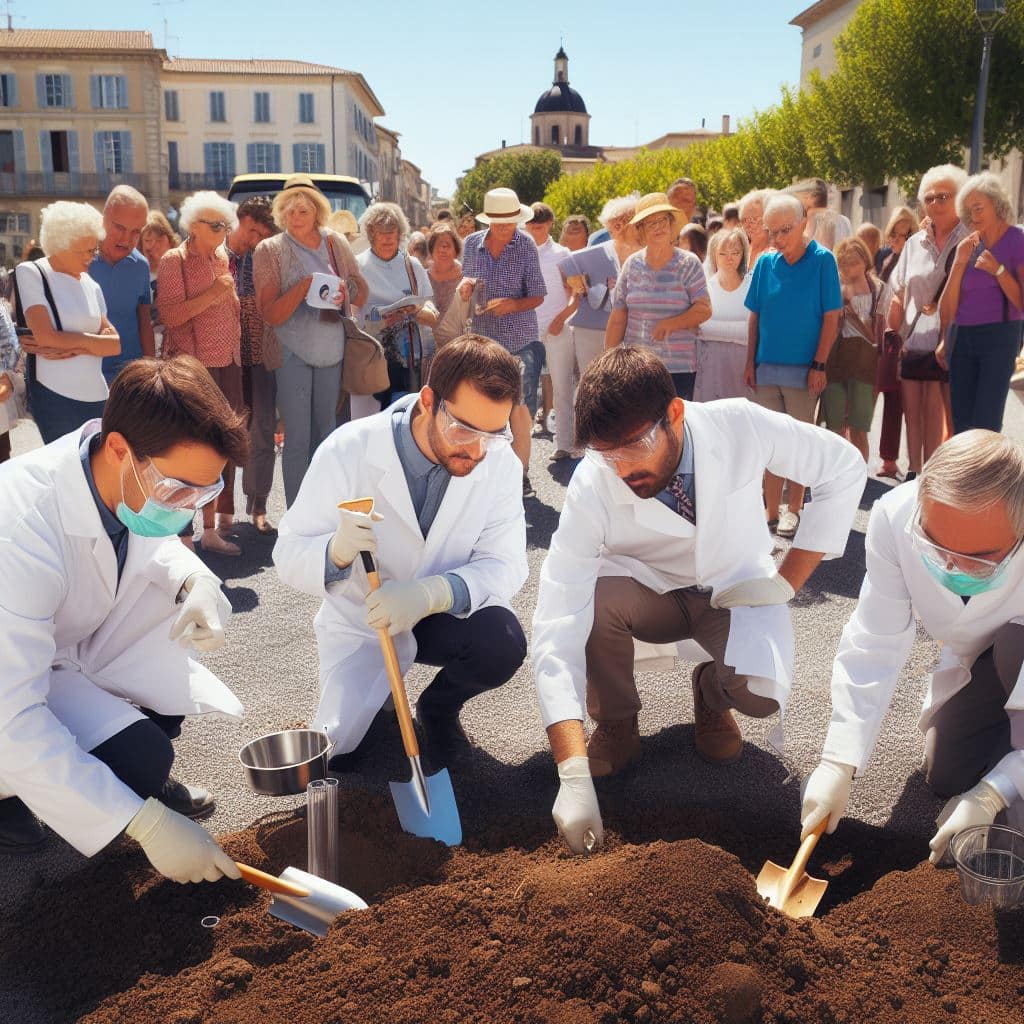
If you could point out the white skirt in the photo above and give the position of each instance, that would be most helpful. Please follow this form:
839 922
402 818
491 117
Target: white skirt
720 369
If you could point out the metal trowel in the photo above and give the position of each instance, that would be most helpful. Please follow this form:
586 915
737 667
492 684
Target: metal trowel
791 889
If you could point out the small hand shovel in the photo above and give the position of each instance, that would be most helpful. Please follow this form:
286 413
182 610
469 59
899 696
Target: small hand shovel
791 889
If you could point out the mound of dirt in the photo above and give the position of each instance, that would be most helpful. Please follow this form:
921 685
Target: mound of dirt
668 931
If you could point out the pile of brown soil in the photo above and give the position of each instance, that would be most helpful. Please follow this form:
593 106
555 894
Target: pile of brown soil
659 932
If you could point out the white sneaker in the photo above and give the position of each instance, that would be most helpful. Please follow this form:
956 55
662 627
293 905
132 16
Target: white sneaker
788 522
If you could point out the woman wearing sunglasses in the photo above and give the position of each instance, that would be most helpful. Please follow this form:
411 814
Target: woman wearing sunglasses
944 550
201 315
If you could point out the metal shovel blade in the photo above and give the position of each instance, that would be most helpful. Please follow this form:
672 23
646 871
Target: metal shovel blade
315 912
440 819
791 889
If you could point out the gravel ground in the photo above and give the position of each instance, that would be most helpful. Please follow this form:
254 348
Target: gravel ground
270 661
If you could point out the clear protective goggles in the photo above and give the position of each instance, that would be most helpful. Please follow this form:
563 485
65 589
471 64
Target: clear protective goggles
462 435
948 561
635 451
173 494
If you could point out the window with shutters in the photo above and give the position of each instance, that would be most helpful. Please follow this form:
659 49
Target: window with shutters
7 163
305 108
264 158
60 160
112 152
220 161
8 90
55 93
310 157
111 92
171 112
217 106
13 223
262 111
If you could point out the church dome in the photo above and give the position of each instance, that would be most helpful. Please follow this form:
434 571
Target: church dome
560 98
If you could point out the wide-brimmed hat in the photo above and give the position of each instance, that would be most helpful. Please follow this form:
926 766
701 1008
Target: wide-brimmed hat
657 202
303 184
502 206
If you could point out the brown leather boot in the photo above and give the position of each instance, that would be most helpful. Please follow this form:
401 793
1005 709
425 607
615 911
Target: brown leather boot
613 745
716 735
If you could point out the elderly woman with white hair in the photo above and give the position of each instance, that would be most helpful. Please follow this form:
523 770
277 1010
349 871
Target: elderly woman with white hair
917 283
983 298
65 310
200 312
391 275
752 221
306 344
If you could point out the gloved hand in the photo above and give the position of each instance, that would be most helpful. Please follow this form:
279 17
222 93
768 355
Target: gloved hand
754 593
576 810
177 847
354 534
203 613
826 794
978 806
398 606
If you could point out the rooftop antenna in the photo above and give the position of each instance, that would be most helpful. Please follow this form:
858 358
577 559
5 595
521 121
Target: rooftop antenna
167 37
8 4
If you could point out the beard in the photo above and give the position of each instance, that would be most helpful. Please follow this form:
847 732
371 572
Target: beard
646 483
457 461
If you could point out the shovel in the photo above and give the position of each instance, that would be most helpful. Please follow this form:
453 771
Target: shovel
303 899
791 889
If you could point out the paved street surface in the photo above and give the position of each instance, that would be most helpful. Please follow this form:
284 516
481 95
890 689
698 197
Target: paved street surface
270 661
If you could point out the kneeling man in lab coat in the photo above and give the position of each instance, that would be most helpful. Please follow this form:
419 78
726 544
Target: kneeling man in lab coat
98 598
946 549
663 538
447 533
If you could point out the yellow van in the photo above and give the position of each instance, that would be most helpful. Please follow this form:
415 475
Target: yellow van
343 193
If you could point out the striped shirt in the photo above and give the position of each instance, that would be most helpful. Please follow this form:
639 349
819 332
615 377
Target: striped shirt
650 295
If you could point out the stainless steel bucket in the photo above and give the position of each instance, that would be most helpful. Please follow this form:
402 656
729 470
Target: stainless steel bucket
283 763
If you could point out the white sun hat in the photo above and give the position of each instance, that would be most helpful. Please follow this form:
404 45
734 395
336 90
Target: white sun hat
502 206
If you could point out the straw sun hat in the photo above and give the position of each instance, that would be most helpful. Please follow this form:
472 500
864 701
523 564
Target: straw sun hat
502 206
657 202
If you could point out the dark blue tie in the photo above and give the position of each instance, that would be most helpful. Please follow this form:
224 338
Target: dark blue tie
685 505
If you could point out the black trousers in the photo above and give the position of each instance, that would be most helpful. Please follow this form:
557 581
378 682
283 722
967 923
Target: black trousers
475 654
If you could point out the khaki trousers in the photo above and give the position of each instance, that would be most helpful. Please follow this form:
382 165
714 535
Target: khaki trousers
624 610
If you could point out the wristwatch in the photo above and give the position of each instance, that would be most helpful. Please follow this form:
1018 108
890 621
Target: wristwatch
1001 269
820 367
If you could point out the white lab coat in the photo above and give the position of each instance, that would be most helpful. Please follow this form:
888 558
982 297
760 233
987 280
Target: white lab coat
877 640
606 530
80 652
479 532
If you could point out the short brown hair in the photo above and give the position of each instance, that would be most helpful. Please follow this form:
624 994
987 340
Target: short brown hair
441 228
158 224
542 213
576 218
479 361
622 390
258 209
157 404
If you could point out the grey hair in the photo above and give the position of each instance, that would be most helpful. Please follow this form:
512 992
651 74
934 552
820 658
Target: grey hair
944 172
61 224
758 195
975 470
728 235
125 195
616 208
196 203
815 187
384 217
989 185
784 202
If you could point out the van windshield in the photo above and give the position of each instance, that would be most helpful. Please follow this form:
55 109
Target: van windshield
341 195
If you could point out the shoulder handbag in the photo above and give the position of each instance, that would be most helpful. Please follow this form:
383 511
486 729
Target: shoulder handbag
924 365
856 358
364 369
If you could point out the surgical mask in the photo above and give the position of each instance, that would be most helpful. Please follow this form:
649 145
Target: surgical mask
963 584
154 519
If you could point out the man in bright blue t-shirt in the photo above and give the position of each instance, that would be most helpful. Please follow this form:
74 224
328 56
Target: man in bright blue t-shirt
794 301
122 273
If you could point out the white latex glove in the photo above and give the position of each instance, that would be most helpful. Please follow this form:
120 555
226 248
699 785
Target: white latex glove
354 534
398 606
978 806
203 613
754 593
826 794
177 847
576 810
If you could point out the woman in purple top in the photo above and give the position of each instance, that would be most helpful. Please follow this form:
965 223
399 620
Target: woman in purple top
983 300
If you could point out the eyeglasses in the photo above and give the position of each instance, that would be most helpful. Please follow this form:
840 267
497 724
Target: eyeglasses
729 252
900 234
91 253
937 197
661 221
632 451
214 225
943 558
752 221
779 232
171 493
462 435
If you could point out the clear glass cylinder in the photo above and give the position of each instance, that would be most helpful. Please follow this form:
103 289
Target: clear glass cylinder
322 848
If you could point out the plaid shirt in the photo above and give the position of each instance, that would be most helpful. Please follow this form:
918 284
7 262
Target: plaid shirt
515 274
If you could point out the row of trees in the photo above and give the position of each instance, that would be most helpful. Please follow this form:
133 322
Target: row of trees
900 101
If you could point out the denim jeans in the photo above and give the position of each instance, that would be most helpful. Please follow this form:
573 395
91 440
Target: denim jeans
56 415
531 358
979 373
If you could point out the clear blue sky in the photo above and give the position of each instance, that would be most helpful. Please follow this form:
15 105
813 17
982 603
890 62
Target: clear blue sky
456 77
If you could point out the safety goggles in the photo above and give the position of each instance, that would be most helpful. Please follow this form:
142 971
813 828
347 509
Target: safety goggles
171 493
946 560
462 435
634 451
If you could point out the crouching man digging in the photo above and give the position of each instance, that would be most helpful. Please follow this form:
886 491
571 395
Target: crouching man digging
944 549
663 538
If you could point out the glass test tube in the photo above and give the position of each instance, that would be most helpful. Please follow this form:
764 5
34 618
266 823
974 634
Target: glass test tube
322 829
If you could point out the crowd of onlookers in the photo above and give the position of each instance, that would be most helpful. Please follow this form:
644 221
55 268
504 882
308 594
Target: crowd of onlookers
777 299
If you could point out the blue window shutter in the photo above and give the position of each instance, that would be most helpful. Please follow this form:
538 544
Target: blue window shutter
295 157
207 157
122 91
73 157
97 148
19 150
41 90
12 89
277 157
250 157
231 159
45 152
94 91
321 158
126 152
69 91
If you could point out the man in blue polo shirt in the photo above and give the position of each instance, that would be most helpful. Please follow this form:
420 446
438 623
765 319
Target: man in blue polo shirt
794 301
122 273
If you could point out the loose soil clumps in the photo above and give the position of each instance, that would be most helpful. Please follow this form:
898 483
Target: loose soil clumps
667 931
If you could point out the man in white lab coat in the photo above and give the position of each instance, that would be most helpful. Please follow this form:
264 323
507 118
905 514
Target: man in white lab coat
663 538
449 537
97 592
945 549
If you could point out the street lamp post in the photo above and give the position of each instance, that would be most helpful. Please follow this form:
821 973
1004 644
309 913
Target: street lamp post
989 13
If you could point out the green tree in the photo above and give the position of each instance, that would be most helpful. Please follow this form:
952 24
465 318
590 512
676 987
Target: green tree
529 173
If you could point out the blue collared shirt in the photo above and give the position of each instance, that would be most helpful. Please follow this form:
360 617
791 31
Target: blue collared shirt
685 470
116 530
125 287
515 274
427 482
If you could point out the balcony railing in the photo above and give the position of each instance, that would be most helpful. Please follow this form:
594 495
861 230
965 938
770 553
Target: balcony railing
192 182
72 184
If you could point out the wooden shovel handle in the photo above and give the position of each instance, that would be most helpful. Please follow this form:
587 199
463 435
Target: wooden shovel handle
799 865
269 882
